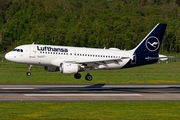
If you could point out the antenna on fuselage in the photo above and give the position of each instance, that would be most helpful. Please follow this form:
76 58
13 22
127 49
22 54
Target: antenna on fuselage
33 43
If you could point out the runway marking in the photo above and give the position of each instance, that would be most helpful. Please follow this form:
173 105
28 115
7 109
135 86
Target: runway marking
83 95
16 88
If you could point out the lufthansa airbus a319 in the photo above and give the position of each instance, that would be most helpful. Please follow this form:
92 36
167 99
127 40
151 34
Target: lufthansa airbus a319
73 60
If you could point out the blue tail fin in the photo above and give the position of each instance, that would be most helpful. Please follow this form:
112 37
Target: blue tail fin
152 42
147 51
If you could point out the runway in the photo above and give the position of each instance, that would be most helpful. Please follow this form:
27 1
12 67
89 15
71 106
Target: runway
95 92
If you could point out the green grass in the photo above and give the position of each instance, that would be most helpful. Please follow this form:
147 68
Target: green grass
155 110
12 73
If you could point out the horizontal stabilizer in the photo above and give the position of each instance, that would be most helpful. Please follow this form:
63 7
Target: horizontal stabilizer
153 58
160 58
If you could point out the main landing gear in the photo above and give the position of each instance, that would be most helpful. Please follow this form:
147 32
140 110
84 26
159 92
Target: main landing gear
88 77
29 70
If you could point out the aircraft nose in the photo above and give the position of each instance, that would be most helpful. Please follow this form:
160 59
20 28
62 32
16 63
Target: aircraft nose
9 56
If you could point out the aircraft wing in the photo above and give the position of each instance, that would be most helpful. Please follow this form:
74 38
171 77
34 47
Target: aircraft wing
107 60
56 62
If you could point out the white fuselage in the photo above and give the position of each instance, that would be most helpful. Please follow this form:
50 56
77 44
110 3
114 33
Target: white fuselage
47 55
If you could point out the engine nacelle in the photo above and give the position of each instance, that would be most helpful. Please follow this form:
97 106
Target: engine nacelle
51 68
69 68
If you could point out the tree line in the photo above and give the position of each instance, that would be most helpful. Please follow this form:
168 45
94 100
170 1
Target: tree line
87 23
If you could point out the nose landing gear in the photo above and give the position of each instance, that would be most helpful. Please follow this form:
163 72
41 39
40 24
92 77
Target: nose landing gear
29 70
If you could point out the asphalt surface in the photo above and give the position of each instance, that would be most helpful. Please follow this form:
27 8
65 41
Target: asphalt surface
95 92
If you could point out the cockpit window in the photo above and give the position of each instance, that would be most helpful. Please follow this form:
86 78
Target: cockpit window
18 50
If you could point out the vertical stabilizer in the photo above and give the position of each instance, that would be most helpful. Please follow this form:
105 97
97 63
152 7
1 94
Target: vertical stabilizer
147 51
152 42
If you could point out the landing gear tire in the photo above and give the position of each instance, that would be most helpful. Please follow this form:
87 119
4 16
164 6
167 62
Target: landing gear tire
29 70
28 73
77 76
88 77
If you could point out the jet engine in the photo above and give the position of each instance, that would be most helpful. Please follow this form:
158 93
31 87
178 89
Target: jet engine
51 68
69 68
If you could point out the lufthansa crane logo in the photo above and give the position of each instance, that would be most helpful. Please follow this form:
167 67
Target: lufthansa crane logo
152 43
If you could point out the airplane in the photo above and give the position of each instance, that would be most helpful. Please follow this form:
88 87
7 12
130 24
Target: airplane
72 60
